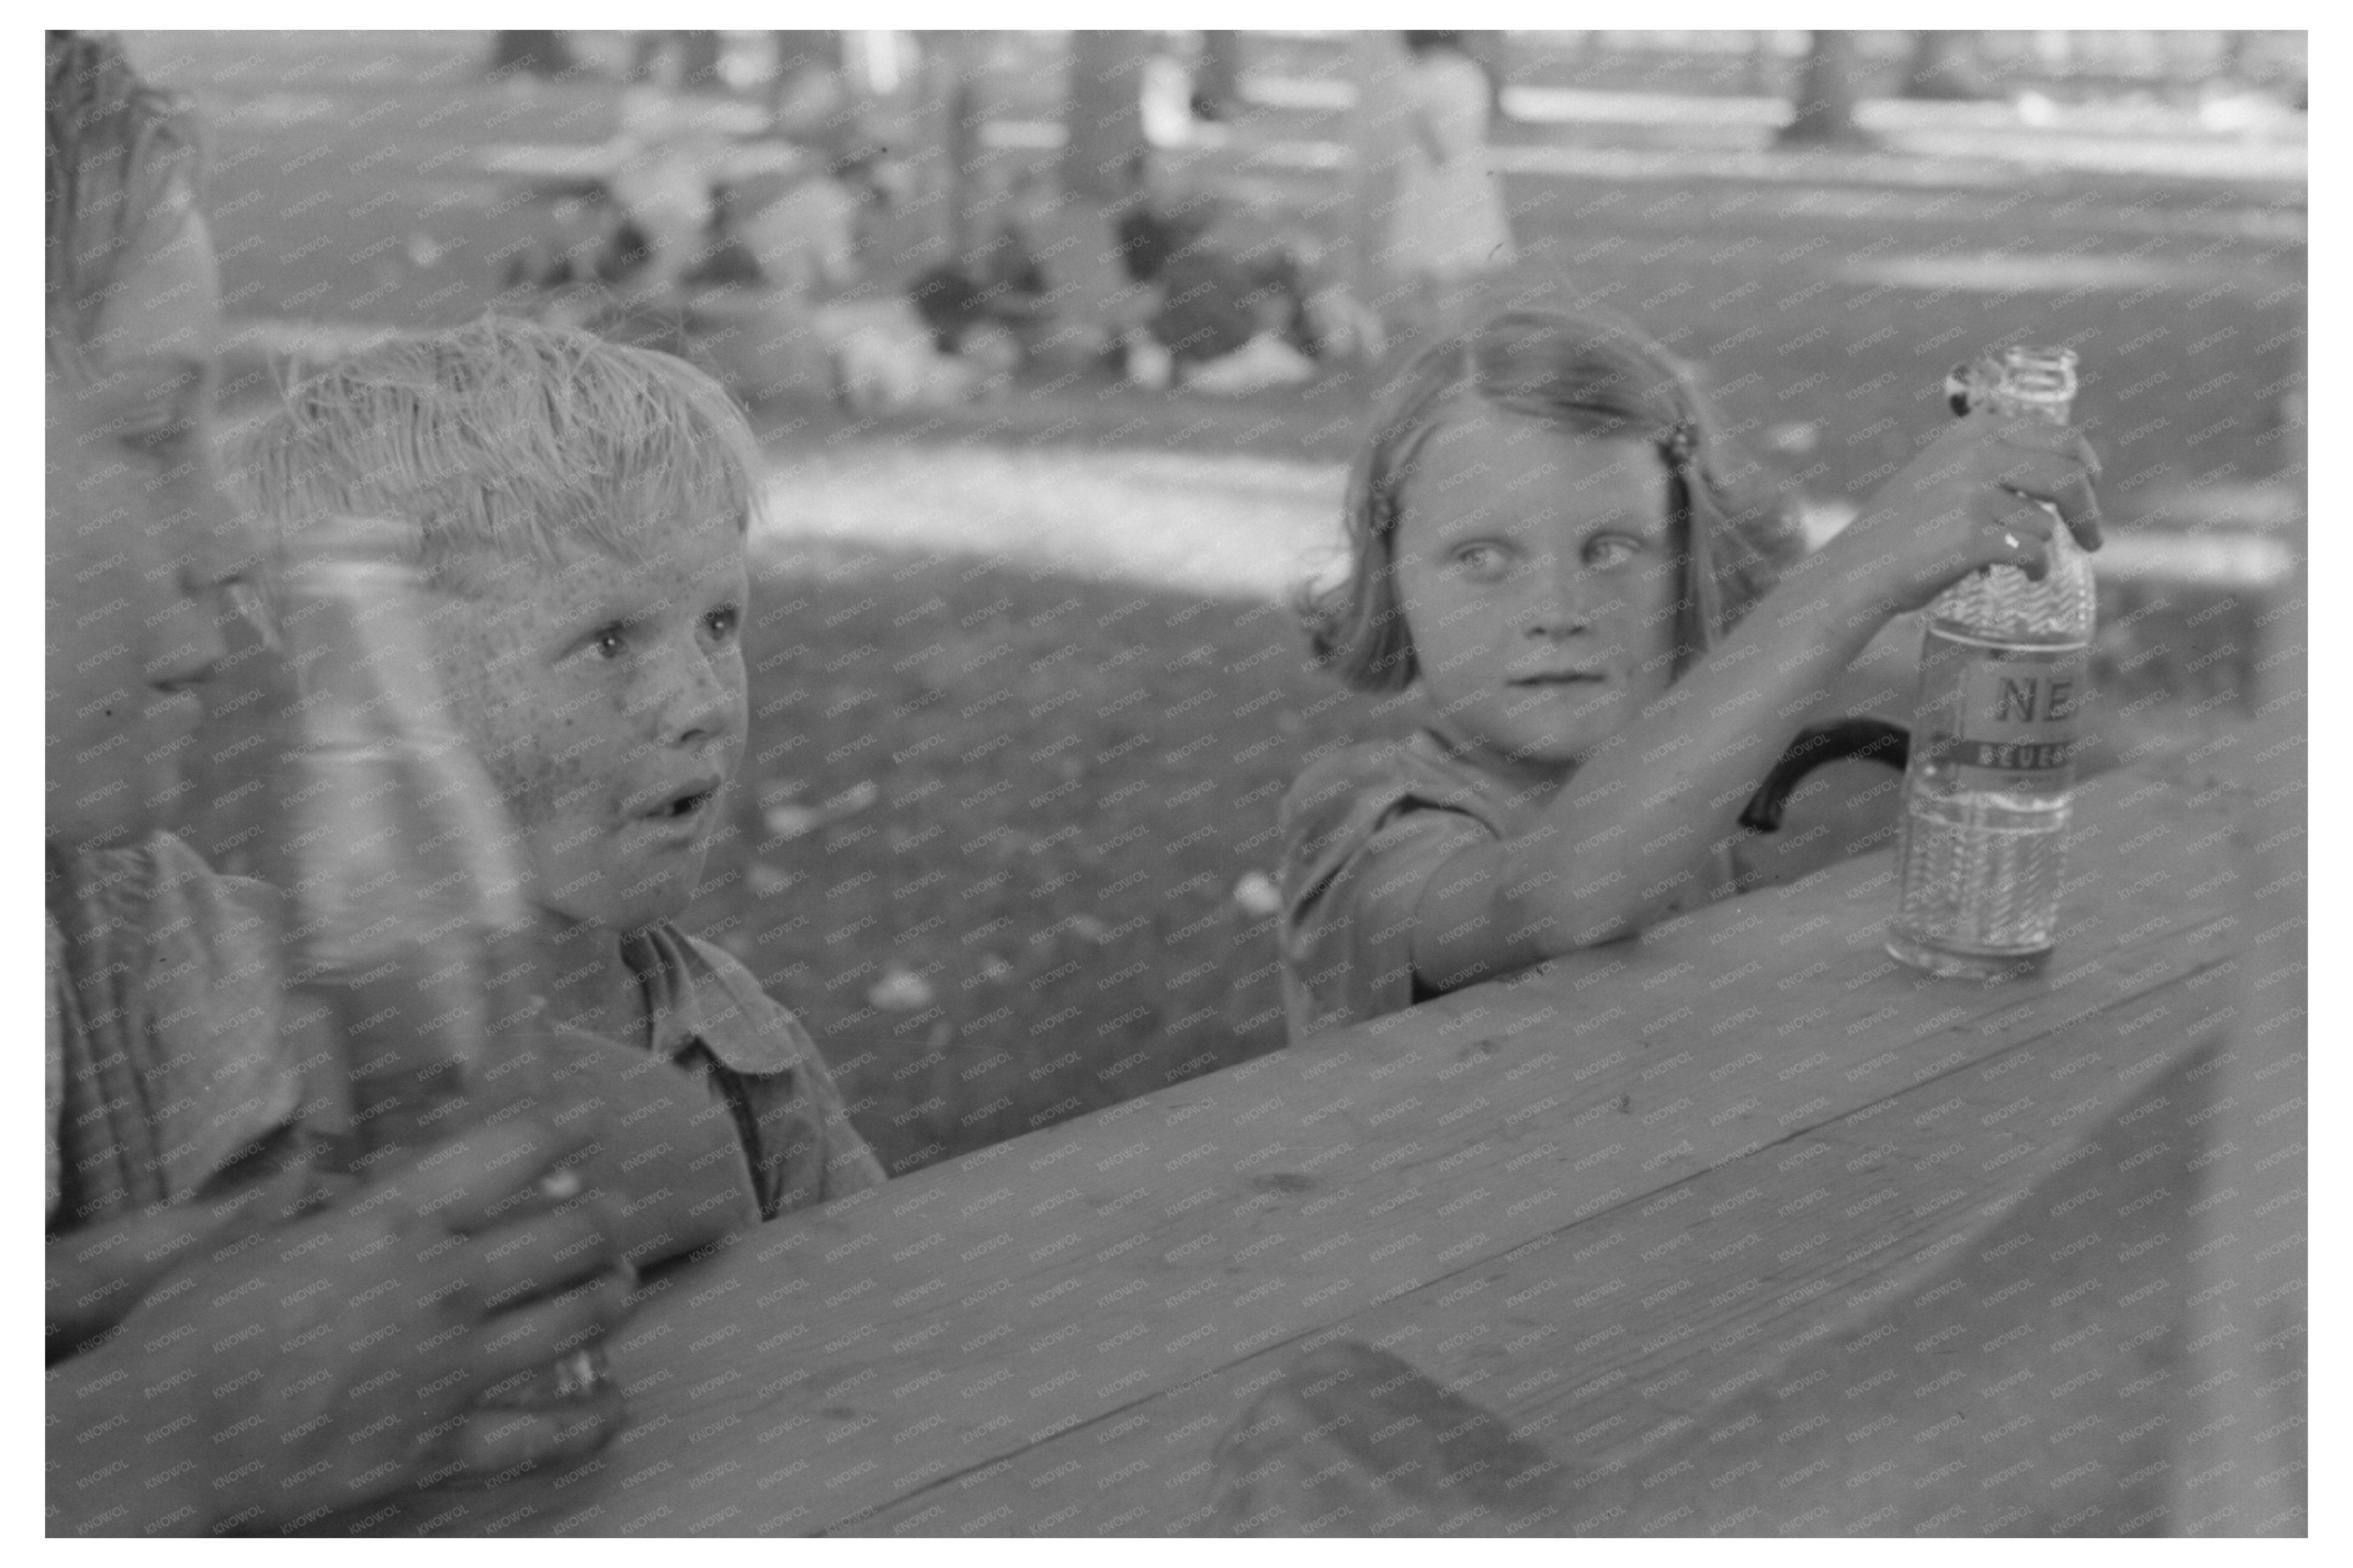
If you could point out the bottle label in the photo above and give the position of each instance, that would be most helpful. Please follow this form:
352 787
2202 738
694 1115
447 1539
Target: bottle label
2002 718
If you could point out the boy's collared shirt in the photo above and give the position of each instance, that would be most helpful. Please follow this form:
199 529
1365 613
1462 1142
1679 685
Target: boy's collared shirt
165 1069
707 1013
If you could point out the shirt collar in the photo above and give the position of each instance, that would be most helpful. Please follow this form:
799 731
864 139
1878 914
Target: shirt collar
690 1000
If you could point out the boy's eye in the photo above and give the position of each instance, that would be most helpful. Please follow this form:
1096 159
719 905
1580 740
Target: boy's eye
723 621
607 642
1612 550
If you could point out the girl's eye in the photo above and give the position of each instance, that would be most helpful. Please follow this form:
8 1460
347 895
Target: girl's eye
1484 561
723 621
609 642
1612 550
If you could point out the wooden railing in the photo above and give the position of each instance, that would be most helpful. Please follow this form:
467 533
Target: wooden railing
1742 1227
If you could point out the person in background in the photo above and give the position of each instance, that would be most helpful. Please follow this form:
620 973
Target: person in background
209 1297
1447 229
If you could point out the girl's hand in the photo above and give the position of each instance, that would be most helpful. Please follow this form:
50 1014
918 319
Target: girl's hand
1970 502
337 1360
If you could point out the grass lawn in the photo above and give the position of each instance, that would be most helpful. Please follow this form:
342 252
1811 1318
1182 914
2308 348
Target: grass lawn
1020 805
994 817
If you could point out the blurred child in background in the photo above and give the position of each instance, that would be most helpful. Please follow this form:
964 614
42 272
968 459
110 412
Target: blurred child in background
1449 228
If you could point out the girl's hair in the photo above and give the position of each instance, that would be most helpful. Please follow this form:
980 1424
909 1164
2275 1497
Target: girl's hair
114 145
1589 374
506 440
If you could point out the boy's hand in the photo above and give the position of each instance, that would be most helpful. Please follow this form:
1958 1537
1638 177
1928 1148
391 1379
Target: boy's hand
1970 502
653 1141
336 1360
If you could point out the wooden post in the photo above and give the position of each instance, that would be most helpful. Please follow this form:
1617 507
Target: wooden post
1104 115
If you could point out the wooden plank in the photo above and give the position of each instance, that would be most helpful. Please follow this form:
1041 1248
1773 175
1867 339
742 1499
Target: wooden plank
1944 1213
831 1364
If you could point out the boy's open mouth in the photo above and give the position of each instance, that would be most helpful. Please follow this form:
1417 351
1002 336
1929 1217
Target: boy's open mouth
684 805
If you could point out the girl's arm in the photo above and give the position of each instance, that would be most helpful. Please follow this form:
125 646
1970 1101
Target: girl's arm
1638 834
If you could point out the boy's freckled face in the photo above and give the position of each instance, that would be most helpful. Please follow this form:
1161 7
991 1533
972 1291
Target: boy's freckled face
1534 568
607 699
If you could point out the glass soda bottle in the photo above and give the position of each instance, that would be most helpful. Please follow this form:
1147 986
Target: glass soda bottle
409 948
2003 667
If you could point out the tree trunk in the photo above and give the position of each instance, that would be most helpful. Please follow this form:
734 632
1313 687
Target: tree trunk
697 58
1105 114
1764 68
951 69
698 64
1376 134
542 53
1944 66
1825 107
1217 80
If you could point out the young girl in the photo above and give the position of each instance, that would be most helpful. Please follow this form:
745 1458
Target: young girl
1543 552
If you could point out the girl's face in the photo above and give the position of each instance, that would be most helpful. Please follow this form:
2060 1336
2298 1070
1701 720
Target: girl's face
1534 568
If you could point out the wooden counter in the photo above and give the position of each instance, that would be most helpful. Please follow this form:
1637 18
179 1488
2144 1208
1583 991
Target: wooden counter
1623 1204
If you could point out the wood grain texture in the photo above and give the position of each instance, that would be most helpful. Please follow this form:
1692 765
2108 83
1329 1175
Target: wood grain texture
1617 1342
828 1366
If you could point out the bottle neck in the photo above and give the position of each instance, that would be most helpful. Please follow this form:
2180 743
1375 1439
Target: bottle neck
2035 404
2038 382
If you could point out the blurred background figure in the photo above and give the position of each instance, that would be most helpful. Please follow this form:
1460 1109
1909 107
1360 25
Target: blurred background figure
1447 229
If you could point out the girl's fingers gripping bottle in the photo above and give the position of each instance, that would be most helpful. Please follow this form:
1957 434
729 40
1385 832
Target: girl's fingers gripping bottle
409 953
2003 672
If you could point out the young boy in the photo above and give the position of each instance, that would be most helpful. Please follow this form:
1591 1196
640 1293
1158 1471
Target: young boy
584 508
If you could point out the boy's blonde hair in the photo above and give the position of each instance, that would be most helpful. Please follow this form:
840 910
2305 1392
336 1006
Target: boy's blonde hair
506 440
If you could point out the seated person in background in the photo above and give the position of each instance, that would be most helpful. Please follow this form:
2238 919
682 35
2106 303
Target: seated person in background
1241 299
1085 305
1154 221
585 506
993 300
1543 545
363 1328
